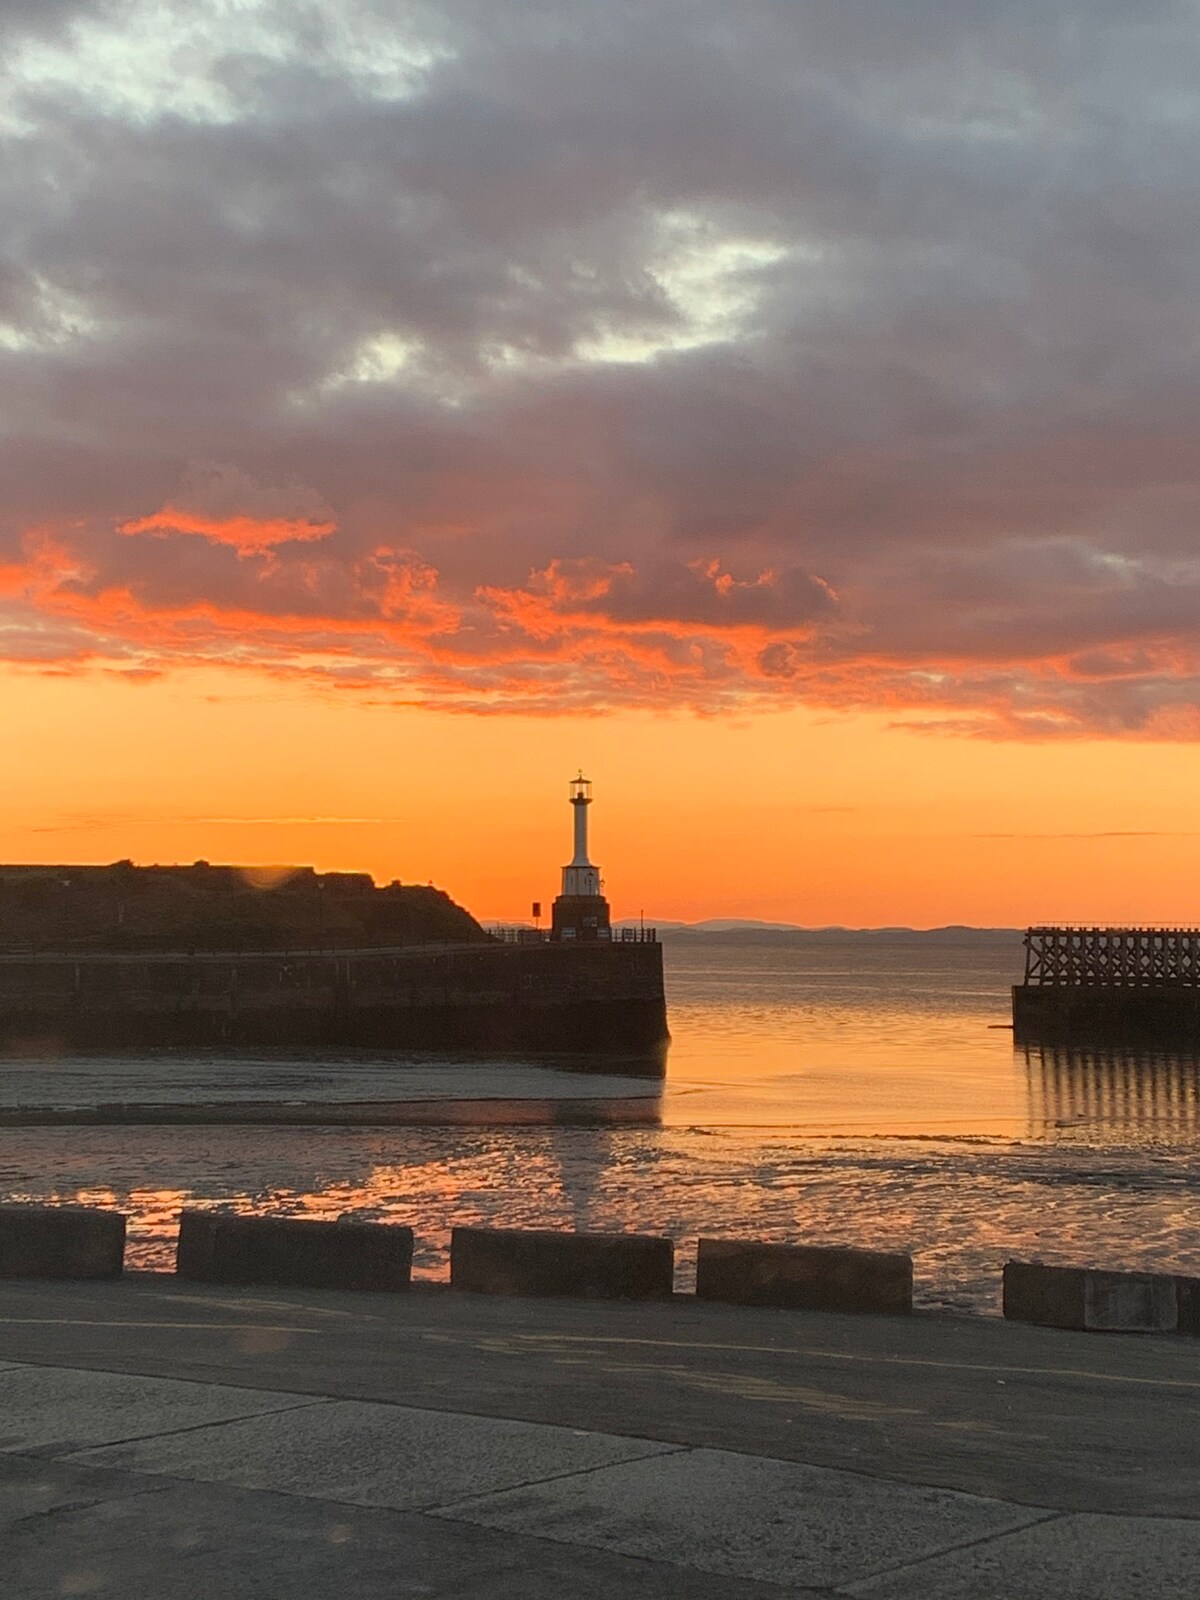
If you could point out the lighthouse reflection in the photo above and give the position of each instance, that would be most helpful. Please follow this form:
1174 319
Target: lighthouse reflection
1136 1093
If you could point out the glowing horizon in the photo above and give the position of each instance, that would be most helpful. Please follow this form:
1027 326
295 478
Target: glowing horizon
790 817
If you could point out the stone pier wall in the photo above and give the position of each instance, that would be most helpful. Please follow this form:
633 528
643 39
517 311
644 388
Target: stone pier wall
490 997
1106 1014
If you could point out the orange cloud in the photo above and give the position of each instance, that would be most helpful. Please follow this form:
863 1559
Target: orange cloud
222 503
247 535
583 635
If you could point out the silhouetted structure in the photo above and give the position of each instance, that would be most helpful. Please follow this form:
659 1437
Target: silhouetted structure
493 997
204 907
581 911
1143 957
1109 984
126 957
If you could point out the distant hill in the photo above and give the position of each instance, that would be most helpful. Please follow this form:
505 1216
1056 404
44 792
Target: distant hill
204 907
735 930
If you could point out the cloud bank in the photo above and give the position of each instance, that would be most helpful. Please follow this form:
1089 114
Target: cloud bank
563 357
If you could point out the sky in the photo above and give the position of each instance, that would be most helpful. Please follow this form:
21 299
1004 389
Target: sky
788 412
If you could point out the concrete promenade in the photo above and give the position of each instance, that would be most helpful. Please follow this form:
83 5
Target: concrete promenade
163 1441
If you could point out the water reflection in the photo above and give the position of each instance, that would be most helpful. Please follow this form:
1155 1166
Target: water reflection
1120 1090
961 1206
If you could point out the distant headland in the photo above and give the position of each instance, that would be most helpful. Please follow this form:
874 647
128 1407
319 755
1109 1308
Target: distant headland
735 930
202 907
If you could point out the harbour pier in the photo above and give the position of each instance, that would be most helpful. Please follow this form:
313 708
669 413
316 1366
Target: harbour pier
1109 985
496 997
150 958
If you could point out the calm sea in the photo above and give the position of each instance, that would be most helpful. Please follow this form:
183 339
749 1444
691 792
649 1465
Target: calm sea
842 1093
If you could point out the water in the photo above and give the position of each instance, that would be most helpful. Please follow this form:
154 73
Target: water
857 1094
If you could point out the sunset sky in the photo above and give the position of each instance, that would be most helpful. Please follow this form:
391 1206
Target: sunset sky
788 411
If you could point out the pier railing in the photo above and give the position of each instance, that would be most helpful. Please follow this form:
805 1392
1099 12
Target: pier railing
1079 957
543 936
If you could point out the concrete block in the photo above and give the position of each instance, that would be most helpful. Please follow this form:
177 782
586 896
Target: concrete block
804 1277
595 1266
1086 1298
215 1247
61 1242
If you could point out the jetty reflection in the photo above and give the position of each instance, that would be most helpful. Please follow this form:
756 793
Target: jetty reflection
1115 1088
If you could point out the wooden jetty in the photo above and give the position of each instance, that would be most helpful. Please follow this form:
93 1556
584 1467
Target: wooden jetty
1109 984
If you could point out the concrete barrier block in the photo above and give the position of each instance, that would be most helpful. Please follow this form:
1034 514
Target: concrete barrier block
1087 1298
215 1247
803 1277
596 1266
61 1242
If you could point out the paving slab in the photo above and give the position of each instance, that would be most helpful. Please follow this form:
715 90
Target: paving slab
748 1517
32 1487
375 1455
998 1409
1075 1557
196 1541
57 1410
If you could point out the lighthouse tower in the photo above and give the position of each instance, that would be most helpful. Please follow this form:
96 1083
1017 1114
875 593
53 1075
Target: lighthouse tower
581 911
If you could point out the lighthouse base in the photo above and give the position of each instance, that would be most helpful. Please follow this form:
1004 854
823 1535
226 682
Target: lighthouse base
581 918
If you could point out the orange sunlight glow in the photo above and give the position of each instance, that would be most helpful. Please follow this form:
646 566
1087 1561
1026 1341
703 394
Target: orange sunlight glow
792 816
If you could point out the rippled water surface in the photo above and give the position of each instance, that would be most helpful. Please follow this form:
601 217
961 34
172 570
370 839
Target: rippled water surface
839 1093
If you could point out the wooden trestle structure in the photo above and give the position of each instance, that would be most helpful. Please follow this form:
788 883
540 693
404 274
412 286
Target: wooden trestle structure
1144 957
1110 984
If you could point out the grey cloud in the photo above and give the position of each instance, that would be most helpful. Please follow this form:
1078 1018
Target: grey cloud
31 639
920 277
40 18
702 593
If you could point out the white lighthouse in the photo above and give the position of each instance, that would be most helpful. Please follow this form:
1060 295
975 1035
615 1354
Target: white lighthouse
581 911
